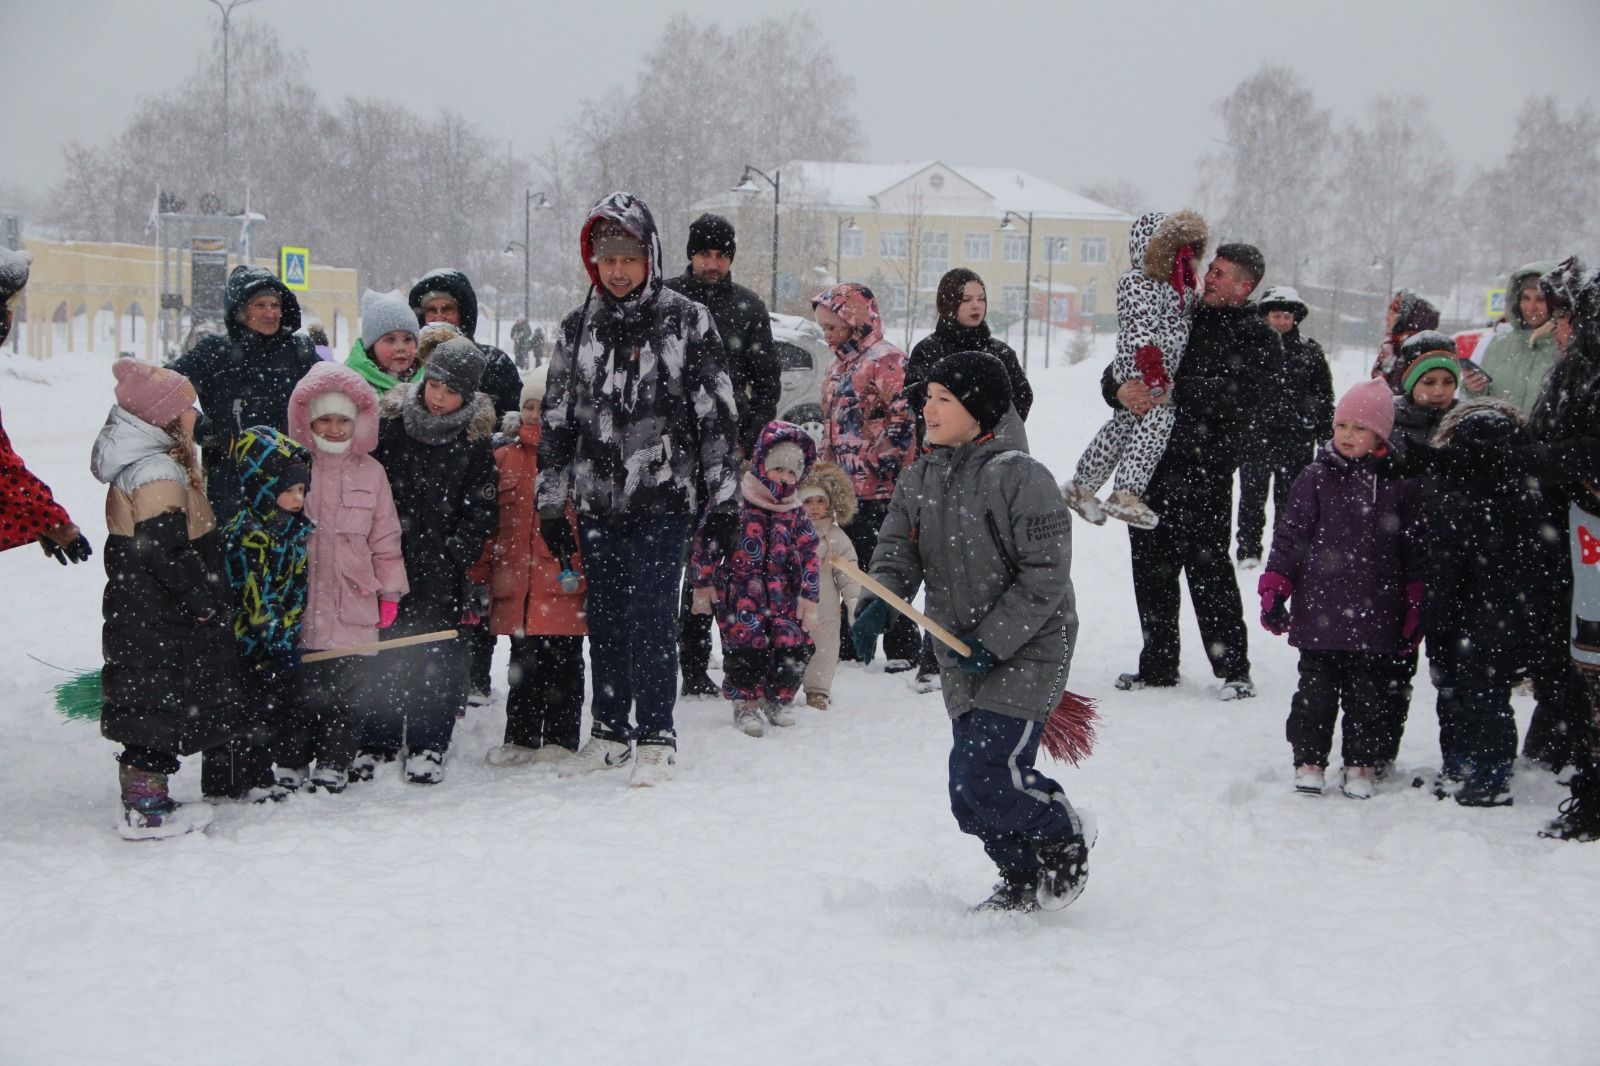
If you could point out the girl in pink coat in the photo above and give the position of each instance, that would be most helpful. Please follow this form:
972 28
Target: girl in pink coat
355 572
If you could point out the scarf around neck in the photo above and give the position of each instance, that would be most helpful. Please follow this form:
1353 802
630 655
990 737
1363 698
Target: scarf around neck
756 494
428 428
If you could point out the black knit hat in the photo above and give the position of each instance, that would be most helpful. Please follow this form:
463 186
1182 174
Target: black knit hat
711 233
979 381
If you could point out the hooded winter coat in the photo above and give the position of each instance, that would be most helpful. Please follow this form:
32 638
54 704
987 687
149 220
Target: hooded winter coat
751 358
983 526
244 379
638 408
501 381
1351 540
354 557
868 428
1520 358
171 682
949 337
1158 294
445 488
766 591
264 548
27 507
1413 314
524 578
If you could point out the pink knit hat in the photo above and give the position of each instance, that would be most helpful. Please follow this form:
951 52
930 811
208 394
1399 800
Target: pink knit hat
152 394
1369 404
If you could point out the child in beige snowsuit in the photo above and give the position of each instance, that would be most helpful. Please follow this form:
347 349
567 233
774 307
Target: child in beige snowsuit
830 500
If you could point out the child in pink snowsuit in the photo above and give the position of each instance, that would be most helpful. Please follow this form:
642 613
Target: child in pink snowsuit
766 590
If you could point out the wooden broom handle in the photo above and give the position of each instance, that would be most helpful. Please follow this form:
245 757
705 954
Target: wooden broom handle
381 646
939 632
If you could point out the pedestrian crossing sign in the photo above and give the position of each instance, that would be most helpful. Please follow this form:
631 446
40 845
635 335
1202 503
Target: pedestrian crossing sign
1494 304
294 268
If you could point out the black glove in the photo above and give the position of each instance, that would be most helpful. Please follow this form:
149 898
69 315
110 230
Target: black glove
720 533
1275 619
556 532
981 661
76 550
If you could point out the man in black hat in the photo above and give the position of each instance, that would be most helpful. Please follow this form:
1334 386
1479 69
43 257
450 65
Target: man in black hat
752 363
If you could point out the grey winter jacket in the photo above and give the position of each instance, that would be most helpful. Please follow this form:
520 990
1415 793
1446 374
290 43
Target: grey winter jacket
984 527
638 409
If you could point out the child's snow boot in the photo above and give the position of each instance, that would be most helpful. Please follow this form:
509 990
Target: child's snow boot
425 767
1358 782
1309 779
150 813
777 713
1063 871
329 777
1238 688
1580 812
747 718
700 684
817 701
292 777
1084 502
1017 892
1127 507
1488 785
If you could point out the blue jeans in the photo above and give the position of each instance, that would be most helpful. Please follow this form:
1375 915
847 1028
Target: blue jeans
633 566
997 795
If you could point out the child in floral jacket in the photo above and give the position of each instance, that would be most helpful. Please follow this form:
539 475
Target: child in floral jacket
766 589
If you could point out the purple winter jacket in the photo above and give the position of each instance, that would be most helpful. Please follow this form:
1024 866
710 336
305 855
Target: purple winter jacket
1350 540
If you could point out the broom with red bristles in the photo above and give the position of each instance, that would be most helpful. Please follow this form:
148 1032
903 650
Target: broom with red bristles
1068 733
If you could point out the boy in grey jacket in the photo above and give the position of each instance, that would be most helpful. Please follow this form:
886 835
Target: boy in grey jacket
1005 588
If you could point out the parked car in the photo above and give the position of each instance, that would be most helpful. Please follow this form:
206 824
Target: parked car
803 359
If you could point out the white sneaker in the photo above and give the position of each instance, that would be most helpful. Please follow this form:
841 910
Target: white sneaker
1242 689
777 713
598 754
551 753
292 777
747 719
1249 562
333 779
1309 780
182 818
653 765
1357 782
425 767
1084 502
510 756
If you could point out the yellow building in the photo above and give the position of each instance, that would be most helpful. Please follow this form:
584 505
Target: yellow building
898 227
80 292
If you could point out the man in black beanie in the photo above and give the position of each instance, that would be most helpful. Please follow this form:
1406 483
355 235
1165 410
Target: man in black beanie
752 363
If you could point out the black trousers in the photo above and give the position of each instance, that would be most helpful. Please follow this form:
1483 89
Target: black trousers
901 640
694 632
1359 683
545 705
1276 463
335 697
1196 509
271 713
482 642
1476 727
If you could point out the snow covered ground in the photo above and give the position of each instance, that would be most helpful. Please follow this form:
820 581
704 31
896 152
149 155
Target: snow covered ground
798 898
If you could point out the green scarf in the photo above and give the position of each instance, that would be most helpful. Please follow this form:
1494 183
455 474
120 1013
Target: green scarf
368 368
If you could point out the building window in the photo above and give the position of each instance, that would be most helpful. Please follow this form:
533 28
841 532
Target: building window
893 244
1014 248
899 297
1058 250
975 247
1013 298
1093 251
933 260
1086 302
853 244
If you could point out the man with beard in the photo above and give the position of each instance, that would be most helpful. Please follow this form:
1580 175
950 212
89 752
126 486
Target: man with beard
1231 357
752 363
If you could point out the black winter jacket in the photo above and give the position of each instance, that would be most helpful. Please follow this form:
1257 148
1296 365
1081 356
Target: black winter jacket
445 495
948 338
1297 401
500 378
1231 355
751 357
244 379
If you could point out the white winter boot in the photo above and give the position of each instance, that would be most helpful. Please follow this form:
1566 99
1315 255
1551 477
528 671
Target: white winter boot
1082 499
653 762
747 718
599 754
777 713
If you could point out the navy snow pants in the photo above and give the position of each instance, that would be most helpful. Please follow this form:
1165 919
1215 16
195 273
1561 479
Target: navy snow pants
997 795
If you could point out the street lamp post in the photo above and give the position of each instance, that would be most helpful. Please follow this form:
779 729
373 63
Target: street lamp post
227 134
776 181
1008 226
838 244
527 241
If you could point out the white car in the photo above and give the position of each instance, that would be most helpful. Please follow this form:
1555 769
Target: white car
803 359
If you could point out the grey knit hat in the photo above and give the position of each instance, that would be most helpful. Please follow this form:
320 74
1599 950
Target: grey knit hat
458 364
385 312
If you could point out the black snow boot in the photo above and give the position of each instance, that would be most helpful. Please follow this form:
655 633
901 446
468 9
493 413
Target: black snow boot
700 684
1017 892
1063 871
1580 812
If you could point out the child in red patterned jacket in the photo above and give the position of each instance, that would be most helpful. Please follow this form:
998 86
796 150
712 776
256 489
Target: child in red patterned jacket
765 591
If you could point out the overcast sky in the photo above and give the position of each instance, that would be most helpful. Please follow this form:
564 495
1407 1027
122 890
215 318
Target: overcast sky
1074 92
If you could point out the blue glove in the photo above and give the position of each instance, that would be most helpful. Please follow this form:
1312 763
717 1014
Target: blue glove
872 618
981 661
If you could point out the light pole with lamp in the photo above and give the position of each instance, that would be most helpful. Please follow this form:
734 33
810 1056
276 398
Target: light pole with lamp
776 181
838 244
527 240
1008 226
227 136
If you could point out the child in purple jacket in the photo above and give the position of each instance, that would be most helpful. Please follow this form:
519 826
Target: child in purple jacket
1344 580
766 590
